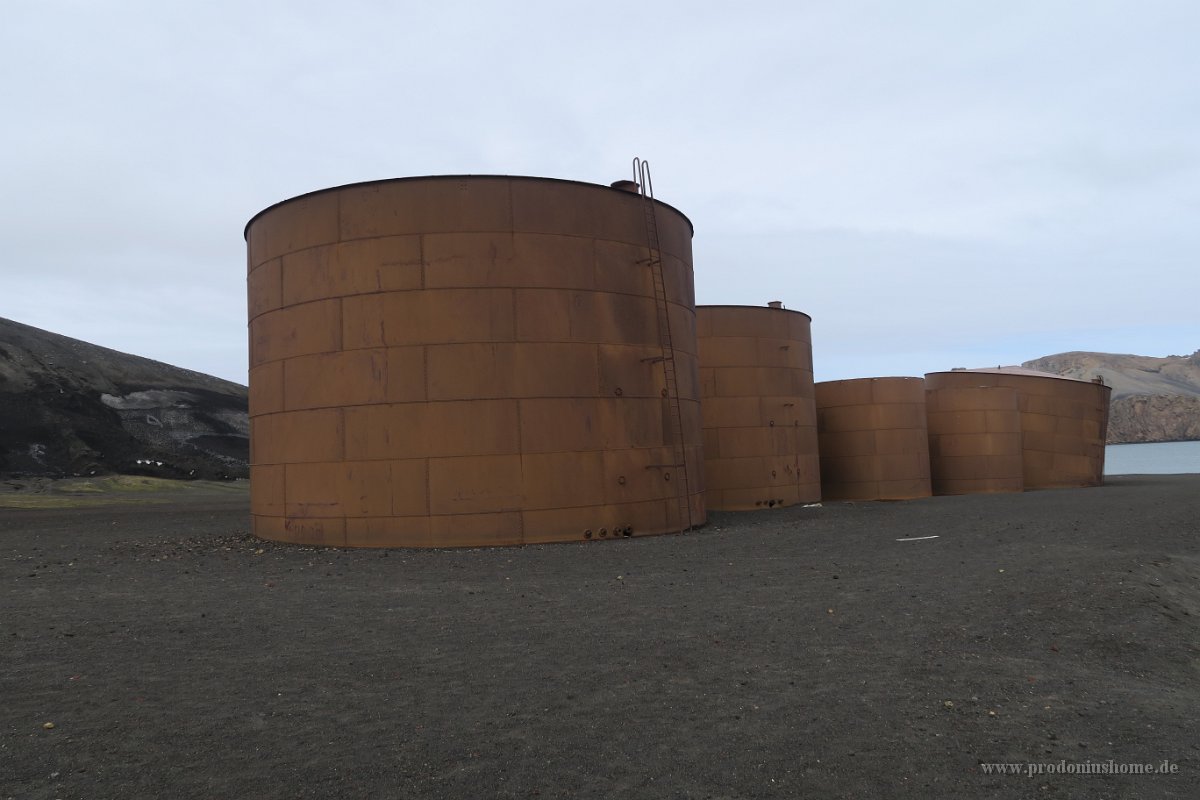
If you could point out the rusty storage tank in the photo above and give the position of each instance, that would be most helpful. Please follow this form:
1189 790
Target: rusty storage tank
873 439
974 440
1064 422
759 415
472 360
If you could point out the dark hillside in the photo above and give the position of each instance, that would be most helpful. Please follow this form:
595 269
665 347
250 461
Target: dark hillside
68 407
1153 399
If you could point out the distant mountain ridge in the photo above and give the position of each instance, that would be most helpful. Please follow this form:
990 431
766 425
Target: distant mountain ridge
1153 399
68 407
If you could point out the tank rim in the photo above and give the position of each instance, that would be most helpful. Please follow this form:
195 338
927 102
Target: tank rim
757 308
875 378
1046 376
378 181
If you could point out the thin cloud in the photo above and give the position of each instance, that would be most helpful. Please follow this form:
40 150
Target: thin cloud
928 180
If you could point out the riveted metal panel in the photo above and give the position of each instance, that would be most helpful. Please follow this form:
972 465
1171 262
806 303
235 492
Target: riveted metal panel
694 455
409 487
294 437
422 205
406 379
747 442
1062 423
475 484
683 328
1034 423
679 287
629 478
322 532
427 317
601 522
306 222
754 368
961 445
508 259
732 412
364 266
264 287
629 371
838 394
266 388
612 273
567 210
556 369
605 317
785 353
894 441
427 430
797 411
472 370
470 361
296 331
355 489
737 353
489 529
344 378
267 498
675 237
389 531
580 425
542 315
314 490
687 369
549 477
873 439
511 369
847 443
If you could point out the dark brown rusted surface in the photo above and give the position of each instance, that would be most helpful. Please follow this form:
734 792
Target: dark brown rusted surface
464 361
1064 423
873 439
759 416
974 440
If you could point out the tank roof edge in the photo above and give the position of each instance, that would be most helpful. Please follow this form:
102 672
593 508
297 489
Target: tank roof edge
315 192
877 378
1016 373
762 308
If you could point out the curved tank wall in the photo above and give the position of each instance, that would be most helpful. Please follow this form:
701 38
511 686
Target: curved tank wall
974 440
759 415
1064 423
465 361
873 439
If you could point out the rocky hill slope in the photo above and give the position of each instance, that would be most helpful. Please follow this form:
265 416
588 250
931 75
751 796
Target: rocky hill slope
1153 400
72 408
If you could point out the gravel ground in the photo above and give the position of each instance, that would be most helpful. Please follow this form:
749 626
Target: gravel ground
796 652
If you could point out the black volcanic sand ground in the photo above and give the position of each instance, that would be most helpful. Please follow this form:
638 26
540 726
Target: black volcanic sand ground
800 652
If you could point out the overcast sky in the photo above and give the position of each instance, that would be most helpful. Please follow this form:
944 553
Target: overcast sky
937 184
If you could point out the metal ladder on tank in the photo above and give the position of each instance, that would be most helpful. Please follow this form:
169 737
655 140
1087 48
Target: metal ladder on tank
641 176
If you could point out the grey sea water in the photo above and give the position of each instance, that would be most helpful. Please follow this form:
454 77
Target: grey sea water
1160 458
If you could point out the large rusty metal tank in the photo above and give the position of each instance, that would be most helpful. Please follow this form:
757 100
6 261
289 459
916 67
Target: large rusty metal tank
974 440
1064 422
759 416
873 438
472 360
